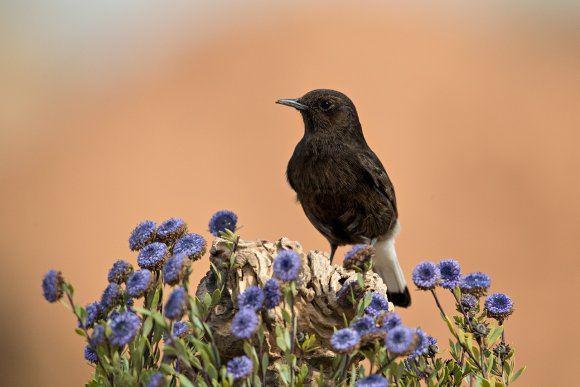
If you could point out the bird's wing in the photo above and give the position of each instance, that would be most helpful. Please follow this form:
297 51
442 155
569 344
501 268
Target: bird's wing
376 176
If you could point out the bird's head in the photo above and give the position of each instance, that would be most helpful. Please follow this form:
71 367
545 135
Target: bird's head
325 111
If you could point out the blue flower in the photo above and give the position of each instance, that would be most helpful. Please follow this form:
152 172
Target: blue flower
377 305
363 324
111 297
180 329
345 340
359 258
450 273
422 344
469 302
426 275
252 297
120 271
157 380
240 367
98 336
272 293
475 283
171 230
142 235
52 284
349 290
192 245
244 324
372 381
153 256
391 320
222 220
432 345
93 314
287 265
124 327
91 355
176 304
499 306
176 269
400 340
140 283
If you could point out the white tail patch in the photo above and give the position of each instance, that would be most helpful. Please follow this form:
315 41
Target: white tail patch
386 262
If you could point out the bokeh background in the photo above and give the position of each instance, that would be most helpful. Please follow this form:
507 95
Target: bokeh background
117 111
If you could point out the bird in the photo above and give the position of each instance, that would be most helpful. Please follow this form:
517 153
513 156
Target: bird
342 185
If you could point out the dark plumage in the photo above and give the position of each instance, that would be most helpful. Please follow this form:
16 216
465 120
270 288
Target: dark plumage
342 185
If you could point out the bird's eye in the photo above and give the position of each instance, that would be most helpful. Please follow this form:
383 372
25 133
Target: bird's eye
325 105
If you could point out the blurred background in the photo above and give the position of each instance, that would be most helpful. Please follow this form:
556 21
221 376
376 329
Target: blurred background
113 112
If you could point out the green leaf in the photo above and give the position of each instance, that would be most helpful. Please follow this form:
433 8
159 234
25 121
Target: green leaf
80 332
494 335
184 381
143 311
517 374
147 326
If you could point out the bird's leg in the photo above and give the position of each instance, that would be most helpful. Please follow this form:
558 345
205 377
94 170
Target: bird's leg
333 248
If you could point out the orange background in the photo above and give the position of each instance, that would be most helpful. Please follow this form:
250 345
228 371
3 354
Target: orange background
124 111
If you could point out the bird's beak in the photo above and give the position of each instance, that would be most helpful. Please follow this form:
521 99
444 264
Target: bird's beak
293 103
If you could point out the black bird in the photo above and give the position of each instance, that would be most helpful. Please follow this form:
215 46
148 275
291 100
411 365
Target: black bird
343 187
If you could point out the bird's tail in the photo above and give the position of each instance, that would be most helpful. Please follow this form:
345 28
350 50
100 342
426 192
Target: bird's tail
388 268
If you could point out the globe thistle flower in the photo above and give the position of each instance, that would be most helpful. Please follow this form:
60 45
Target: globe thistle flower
422 343
120 271
372 381
139 283
475 283
377 305
124 327
93 314
272 294
222 220
180 329
345 340
359 258
469 302
112 296
176 304
176 269
432 347
52 286
499 306
153 256
240 367
426 275
171 230
244 324
252 297
287 265
400 340
343 296
157 380
91 355
98 336
363 324
391 321
450 273
143 234
192 245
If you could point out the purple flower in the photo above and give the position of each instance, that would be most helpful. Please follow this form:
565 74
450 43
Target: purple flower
391 320
112 296
363 324
171 230
124 327
272 293
222 221
176 269
176 304
426 275
399 340
142 235
180 329
93 314
192 245
345 340
240 367
140 283
120 271
157 380
91 355
52 285
372 381
469 302
422 345
499 306
252 297
450 273
98 336
244 324
287 265
153 256
475 283
377 305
